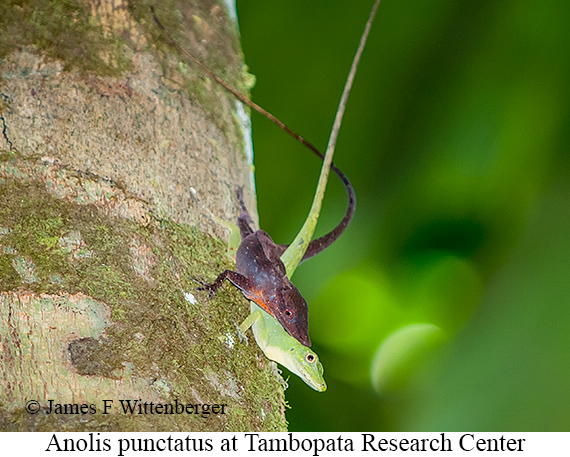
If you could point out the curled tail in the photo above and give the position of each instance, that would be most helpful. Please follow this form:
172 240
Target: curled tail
320 244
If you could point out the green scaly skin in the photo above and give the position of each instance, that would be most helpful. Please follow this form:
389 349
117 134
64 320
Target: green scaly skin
279 346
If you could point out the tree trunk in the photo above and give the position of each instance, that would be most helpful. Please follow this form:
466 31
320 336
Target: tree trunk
119 164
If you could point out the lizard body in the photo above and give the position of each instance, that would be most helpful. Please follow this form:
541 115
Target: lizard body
262 278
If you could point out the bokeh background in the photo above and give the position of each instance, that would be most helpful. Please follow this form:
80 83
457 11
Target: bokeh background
446 303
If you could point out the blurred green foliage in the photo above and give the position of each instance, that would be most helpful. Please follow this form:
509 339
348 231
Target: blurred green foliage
446 303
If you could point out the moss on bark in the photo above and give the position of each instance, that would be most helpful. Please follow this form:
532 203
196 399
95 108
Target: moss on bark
114 302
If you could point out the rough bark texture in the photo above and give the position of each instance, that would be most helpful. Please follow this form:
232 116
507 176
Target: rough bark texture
119 164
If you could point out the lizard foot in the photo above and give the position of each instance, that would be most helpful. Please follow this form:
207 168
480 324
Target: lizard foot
241 334
204 286
277 372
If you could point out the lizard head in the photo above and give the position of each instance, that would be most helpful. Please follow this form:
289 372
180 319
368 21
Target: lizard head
282 348
305 363
301 361
293 314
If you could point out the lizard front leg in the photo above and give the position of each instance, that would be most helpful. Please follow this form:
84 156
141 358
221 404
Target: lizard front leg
240 281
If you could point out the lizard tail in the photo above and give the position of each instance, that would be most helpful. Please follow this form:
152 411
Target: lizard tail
320 244
244 219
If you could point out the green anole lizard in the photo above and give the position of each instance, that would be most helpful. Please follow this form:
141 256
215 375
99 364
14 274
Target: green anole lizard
271 338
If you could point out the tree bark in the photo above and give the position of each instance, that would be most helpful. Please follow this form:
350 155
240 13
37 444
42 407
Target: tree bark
119 164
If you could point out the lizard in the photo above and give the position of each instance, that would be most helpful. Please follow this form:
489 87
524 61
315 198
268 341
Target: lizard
277 344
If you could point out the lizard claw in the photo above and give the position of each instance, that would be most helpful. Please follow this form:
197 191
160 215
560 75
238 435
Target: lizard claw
211 293
204 286
199 280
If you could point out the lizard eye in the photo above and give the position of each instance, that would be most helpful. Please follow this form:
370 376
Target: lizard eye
288 313
310 358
